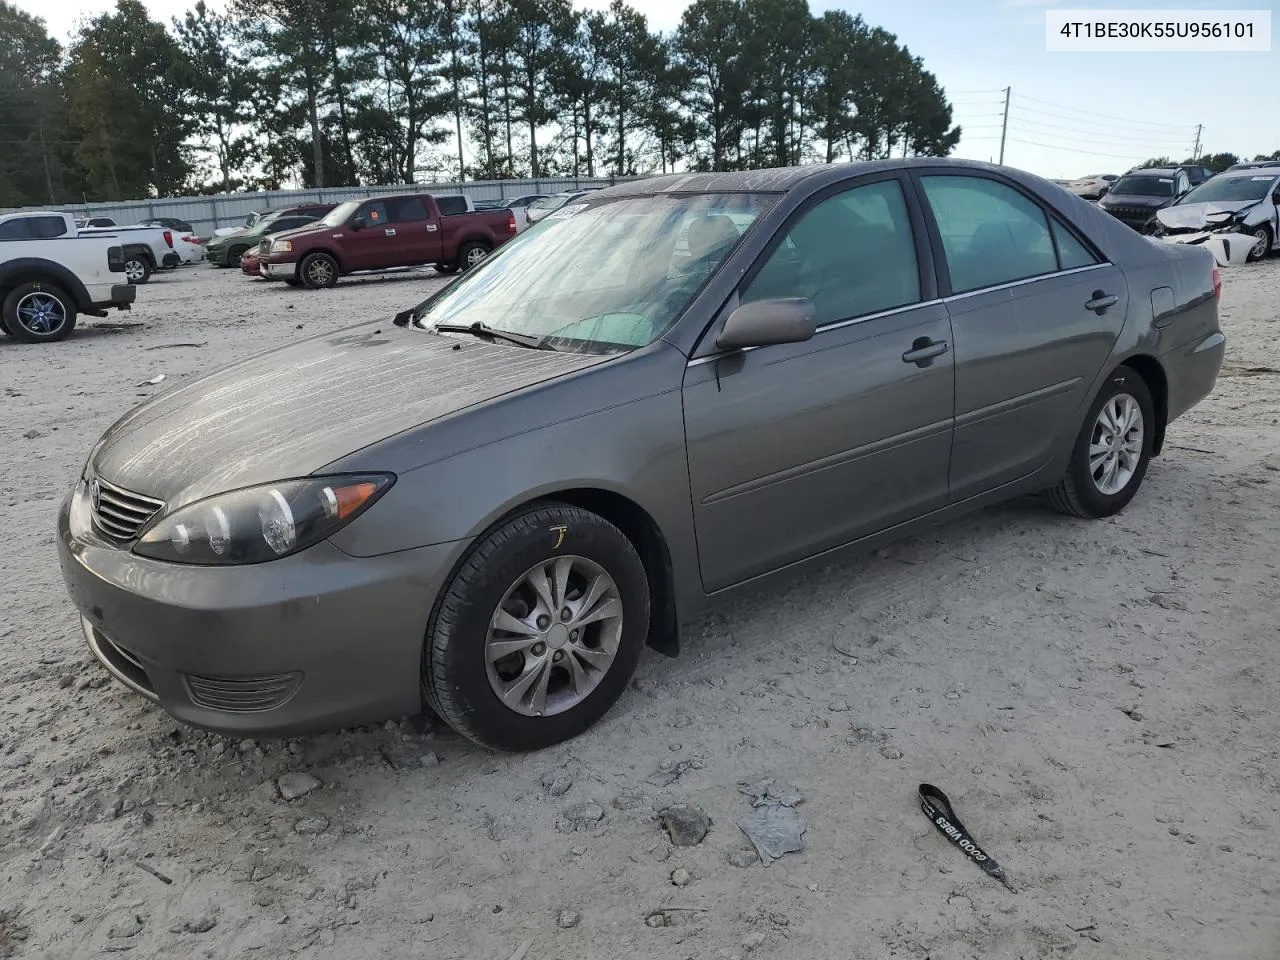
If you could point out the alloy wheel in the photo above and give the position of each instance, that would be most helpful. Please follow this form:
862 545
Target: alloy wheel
319 272
1115 447
41 314
475 255
134 271
554 636
1260 248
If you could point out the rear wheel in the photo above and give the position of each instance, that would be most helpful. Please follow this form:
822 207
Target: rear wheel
137 269
539 630
1111 452
1262 247
318 270
472 253
38 312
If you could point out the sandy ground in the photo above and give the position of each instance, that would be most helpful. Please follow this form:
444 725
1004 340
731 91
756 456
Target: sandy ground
1099 700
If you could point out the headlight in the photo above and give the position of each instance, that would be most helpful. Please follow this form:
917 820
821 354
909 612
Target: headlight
281 246
261 523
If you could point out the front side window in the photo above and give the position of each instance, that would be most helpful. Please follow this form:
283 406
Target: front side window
991 233
853 254
375 211
625 269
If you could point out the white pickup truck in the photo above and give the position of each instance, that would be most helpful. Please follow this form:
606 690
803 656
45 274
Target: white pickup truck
146 249
50 272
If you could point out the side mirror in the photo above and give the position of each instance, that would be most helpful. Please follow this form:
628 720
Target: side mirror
763 323
360 223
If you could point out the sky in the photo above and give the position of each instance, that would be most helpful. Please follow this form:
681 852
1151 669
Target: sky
1070 114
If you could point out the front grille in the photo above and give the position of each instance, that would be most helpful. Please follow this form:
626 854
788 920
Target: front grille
244 694
120 514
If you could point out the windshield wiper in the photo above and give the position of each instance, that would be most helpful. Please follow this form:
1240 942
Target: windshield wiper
484 330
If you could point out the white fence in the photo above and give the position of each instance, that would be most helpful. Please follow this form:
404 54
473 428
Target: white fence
206 214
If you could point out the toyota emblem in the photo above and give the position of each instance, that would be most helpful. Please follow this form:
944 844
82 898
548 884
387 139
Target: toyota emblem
95 495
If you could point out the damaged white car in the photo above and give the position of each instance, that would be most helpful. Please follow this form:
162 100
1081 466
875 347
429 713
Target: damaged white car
1236 214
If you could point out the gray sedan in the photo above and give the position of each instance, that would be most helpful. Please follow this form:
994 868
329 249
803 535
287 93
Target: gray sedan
492 504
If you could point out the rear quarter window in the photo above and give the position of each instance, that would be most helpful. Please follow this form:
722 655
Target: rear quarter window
450 206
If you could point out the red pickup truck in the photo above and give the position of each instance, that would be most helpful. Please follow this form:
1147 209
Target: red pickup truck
375 234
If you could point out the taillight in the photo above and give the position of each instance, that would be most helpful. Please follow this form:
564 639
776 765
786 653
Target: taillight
168 238
511 222
1217 281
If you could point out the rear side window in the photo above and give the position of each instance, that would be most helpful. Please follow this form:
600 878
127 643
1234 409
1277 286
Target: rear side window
406 209
991 234
853 254
1071 252
449 206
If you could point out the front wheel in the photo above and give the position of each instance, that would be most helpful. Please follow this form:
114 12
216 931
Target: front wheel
537 633
38 312
235 255
472 253
318 270
1263 245
446 267
1112 451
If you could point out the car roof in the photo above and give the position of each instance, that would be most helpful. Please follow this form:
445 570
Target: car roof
1153 171
1236 173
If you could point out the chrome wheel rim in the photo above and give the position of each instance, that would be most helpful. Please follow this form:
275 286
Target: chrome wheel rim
475 255
1115 449
554 636
41 314
319 272
1260 248
134 271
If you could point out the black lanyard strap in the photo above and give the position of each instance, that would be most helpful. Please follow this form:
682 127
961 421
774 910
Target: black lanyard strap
938 809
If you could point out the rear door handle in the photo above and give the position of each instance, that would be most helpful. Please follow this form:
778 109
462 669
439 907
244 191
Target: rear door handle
924 350
1101 301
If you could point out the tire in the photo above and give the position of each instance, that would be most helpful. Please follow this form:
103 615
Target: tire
459 682
137 270
235 255
472 253
1263 235
318 270
39 312
1082 492
446 267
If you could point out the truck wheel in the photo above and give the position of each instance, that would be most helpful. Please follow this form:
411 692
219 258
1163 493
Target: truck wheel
137 270
446 268
318 270
472 253
38 312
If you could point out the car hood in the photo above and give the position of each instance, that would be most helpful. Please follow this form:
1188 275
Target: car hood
1132 200
1201 214
292 411
310 230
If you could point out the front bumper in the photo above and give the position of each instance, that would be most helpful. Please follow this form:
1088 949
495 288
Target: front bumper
315 641
279 271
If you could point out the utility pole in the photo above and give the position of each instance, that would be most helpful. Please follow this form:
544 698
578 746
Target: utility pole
1004 124
1195 151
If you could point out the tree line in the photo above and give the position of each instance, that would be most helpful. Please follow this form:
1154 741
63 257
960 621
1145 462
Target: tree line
1217 162
272 93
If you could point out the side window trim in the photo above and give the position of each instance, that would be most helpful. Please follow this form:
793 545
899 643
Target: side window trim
945 289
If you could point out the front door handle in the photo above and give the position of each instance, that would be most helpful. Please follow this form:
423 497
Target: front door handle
390 231
924 350
1101 301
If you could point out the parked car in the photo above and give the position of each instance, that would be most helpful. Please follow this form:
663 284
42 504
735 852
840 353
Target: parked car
146 249
536 472
50 273
178 226
83 222
520 207
1254 165
226 251
385 232
1237 201
250 263
1135 197
1093 187
1196 173
539 209
250 221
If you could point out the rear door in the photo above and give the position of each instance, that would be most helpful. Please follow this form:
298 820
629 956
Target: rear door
410 223
798 448
1035 312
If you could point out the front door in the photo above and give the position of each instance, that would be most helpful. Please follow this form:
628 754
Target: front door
799 448
371 246
1035 313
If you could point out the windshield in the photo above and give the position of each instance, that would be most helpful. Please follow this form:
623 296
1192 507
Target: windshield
1231 189
547 203
339 214
1145 186
625 269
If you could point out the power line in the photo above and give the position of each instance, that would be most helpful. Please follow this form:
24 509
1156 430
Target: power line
1095 153
1092 135
1119 123
1105 116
